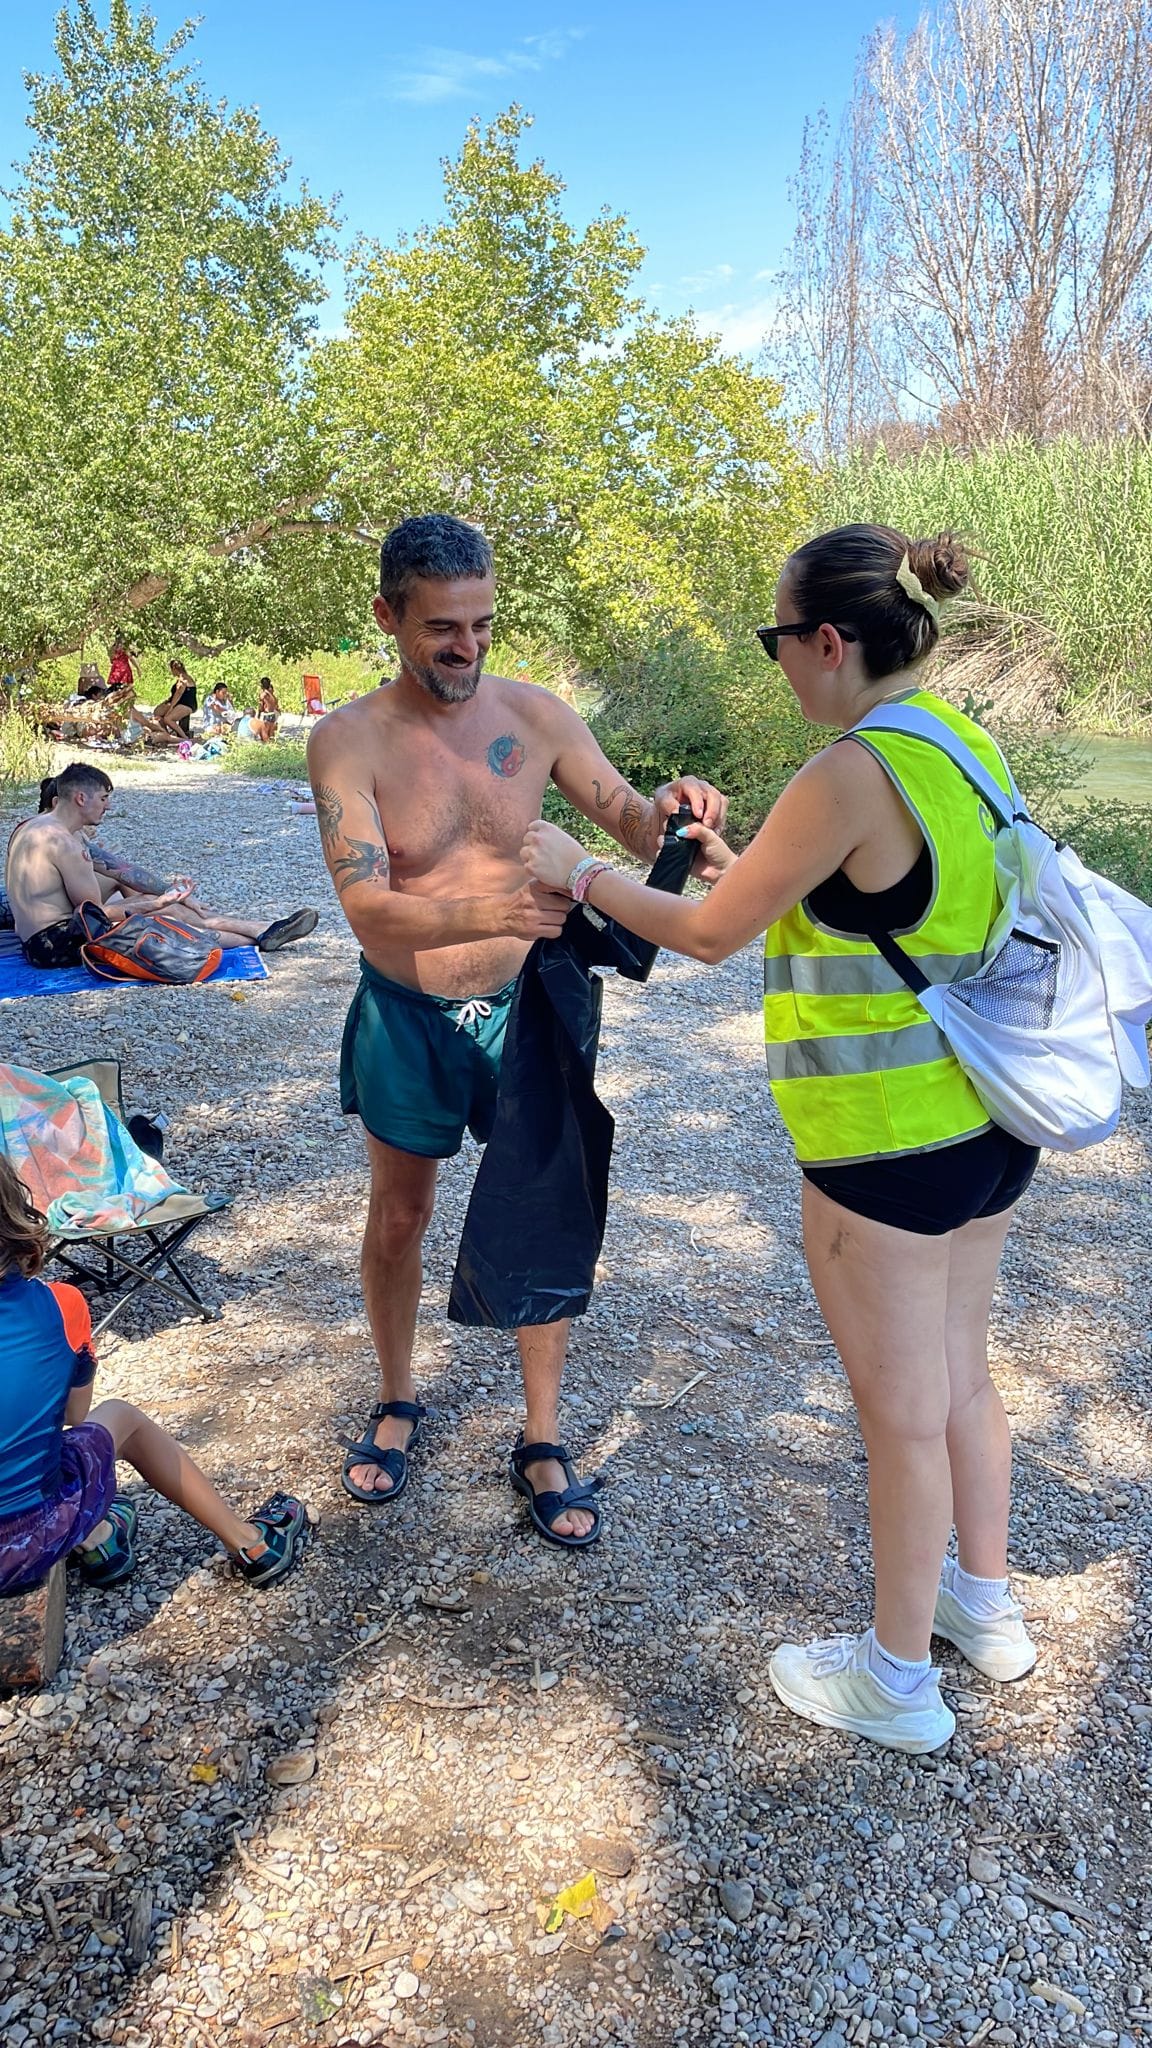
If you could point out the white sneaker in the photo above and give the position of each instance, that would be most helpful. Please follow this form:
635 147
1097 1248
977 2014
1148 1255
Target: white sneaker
1000 1647
831 1683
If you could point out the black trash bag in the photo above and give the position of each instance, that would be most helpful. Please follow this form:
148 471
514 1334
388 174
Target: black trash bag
535 1221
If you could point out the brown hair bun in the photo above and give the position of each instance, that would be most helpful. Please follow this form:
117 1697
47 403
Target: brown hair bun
941 564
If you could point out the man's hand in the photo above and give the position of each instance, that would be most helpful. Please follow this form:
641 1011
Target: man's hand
707 804
535 913
550 854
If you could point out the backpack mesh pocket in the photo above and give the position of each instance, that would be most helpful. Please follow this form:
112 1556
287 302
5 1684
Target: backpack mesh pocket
1020 989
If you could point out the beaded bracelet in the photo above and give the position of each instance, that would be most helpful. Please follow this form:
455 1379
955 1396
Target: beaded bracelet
579 889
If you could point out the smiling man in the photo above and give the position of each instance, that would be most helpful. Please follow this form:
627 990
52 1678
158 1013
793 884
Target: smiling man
424 790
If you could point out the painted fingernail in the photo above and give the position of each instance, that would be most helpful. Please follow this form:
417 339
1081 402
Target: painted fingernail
681 831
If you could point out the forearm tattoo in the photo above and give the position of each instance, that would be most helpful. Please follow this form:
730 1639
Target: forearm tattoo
605 803
128 872
633 822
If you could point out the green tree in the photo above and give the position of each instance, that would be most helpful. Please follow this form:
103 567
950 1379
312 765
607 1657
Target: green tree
159 457
631 476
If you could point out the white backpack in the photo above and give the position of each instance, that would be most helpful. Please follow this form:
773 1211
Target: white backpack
1053 1022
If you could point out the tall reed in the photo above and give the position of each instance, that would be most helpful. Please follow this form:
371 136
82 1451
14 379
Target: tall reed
1062 538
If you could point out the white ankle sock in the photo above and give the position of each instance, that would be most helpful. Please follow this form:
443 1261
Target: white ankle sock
983 1599
899 1674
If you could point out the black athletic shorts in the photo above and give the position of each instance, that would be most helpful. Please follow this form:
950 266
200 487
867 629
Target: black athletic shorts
932 1192
58 945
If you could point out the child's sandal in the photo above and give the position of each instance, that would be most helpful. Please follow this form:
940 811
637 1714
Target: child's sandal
106 1563
286 1526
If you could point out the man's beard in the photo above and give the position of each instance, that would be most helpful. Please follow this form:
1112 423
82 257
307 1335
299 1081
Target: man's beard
448 681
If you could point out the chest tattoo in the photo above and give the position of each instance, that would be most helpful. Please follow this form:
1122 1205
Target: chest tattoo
507 755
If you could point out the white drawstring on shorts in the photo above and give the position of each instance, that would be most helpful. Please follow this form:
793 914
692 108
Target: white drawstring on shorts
471 1013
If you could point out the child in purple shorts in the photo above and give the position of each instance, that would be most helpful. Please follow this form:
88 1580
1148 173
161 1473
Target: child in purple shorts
58 1454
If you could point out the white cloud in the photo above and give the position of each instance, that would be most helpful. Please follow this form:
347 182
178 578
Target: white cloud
742 329
707 280
434 74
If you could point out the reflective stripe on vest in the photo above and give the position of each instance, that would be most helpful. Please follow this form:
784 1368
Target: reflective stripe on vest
857 1068
857 974
864 1052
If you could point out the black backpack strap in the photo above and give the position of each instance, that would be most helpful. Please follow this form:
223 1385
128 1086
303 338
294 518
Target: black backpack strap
899 961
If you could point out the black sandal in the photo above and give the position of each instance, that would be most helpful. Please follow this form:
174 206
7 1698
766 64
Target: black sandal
545 1508
393 1461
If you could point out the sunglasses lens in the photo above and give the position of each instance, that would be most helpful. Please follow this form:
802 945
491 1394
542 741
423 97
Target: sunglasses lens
769 641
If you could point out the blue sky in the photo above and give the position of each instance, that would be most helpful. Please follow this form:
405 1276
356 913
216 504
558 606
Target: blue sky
687 118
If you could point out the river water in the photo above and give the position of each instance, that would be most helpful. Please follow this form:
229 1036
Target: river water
1120 770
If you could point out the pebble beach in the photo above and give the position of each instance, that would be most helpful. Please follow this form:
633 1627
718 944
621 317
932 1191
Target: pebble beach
343 1811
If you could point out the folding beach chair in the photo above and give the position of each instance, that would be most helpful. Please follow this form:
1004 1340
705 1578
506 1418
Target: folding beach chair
143 1255
314 705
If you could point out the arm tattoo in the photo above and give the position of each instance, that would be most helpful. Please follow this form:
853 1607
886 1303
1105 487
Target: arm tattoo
632 822
605 803
127 872
329 811
374 807
365 862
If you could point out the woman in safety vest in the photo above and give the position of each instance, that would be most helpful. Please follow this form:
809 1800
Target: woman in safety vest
908 1188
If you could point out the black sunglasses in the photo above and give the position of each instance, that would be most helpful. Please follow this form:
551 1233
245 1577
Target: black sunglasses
771 636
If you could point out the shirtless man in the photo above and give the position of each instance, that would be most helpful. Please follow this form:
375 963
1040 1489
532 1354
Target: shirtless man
423 791
52 871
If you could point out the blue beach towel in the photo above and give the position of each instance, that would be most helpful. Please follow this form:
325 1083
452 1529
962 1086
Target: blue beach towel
240 963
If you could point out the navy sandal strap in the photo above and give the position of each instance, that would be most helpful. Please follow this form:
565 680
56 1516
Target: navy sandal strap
535 1454
391 1461
403 1411
549 1506
546 1508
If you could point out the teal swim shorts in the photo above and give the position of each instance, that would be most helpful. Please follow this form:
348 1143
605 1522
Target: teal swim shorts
419 1070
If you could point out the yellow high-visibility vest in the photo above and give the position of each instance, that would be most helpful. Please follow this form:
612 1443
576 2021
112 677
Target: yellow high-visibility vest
857 1067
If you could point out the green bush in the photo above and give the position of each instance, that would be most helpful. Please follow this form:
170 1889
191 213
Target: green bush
25 754
1117 842
684 709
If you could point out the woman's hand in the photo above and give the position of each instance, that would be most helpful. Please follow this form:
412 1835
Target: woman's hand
712 856
550 854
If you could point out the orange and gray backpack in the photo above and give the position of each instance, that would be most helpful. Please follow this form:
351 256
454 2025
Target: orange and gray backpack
146 946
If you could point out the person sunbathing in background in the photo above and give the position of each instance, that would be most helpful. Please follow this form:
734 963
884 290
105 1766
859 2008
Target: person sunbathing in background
52 871
58 1454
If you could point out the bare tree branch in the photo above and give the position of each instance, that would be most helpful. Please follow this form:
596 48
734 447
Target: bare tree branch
986 215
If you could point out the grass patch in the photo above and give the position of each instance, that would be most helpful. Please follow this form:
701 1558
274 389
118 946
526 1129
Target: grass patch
280 761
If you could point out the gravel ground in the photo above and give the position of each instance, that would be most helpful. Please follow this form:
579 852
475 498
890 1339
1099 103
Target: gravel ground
474 1721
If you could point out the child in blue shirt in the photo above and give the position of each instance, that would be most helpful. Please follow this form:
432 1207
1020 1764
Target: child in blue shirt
58 1454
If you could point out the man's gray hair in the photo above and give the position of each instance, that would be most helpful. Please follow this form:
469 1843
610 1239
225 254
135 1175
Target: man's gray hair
434 547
